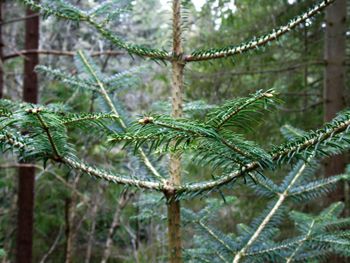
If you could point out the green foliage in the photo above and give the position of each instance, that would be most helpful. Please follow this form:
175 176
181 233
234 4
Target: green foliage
218 147
314 236
217 139
65 10
257 42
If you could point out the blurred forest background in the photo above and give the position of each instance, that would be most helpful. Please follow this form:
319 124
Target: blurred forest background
79 219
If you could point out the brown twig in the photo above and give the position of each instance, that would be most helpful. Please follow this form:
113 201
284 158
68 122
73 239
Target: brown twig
59 53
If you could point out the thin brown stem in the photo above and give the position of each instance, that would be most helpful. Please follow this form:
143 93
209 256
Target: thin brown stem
173 207
59 53
123 201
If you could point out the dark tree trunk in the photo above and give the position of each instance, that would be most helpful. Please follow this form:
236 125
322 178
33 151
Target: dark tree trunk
334 85
334 88
1 53
27 175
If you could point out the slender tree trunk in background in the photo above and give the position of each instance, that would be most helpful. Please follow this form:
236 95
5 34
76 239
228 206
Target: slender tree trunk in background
334 85
27 174
1 52
173 207
334 88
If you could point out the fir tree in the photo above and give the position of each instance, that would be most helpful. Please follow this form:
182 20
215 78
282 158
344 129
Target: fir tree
217 141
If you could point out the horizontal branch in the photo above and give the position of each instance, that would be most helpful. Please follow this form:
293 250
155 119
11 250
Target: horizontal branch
207 186
42 169
18 19
100 174
213 53
59 53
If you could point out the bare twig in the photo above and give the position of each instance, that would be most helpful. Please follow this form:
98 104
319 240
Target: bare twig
53 246
123 201
59 53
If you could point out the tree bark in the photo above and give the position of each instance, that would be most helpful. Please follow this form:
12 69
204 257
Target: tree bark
173 207
334 88
1 53
27 174
334 82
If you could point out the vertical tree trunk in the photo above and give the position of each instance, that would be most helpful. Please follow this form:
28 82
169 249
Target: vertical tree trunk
27 174
334 85
1 53
173 207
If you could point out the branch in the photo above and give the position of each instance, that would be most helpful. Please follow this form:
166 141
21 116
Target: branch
46 128
59 53
84 198
269 216
265 95
77 15
315 139
124 198
100 174
307 236
108 99
53 246
215 236
17 19
200 55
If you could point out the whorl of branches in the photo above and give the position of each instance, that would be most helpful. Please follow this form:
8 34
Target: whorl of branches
48 139
64 10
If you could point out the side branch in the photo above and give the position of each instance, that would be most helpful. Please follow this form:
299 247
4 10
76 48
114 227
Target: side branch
77 15
45 127
314 140
59 53
109 101
213 53
100 174
269 216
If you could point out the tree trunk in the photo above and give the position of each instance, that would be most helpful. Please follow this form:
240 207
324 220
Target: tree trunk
173 207
1 53
27 174
334 85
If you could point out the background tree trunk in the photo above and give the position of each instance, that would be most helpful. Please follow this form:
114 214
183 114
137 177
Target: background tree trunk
1 53
27 174
334 87
334 83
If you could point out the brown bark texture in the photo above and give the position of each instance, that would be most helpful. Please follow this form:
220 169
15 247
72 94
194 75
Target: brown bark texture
1 53
334 88
27 174
334 81
173 207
